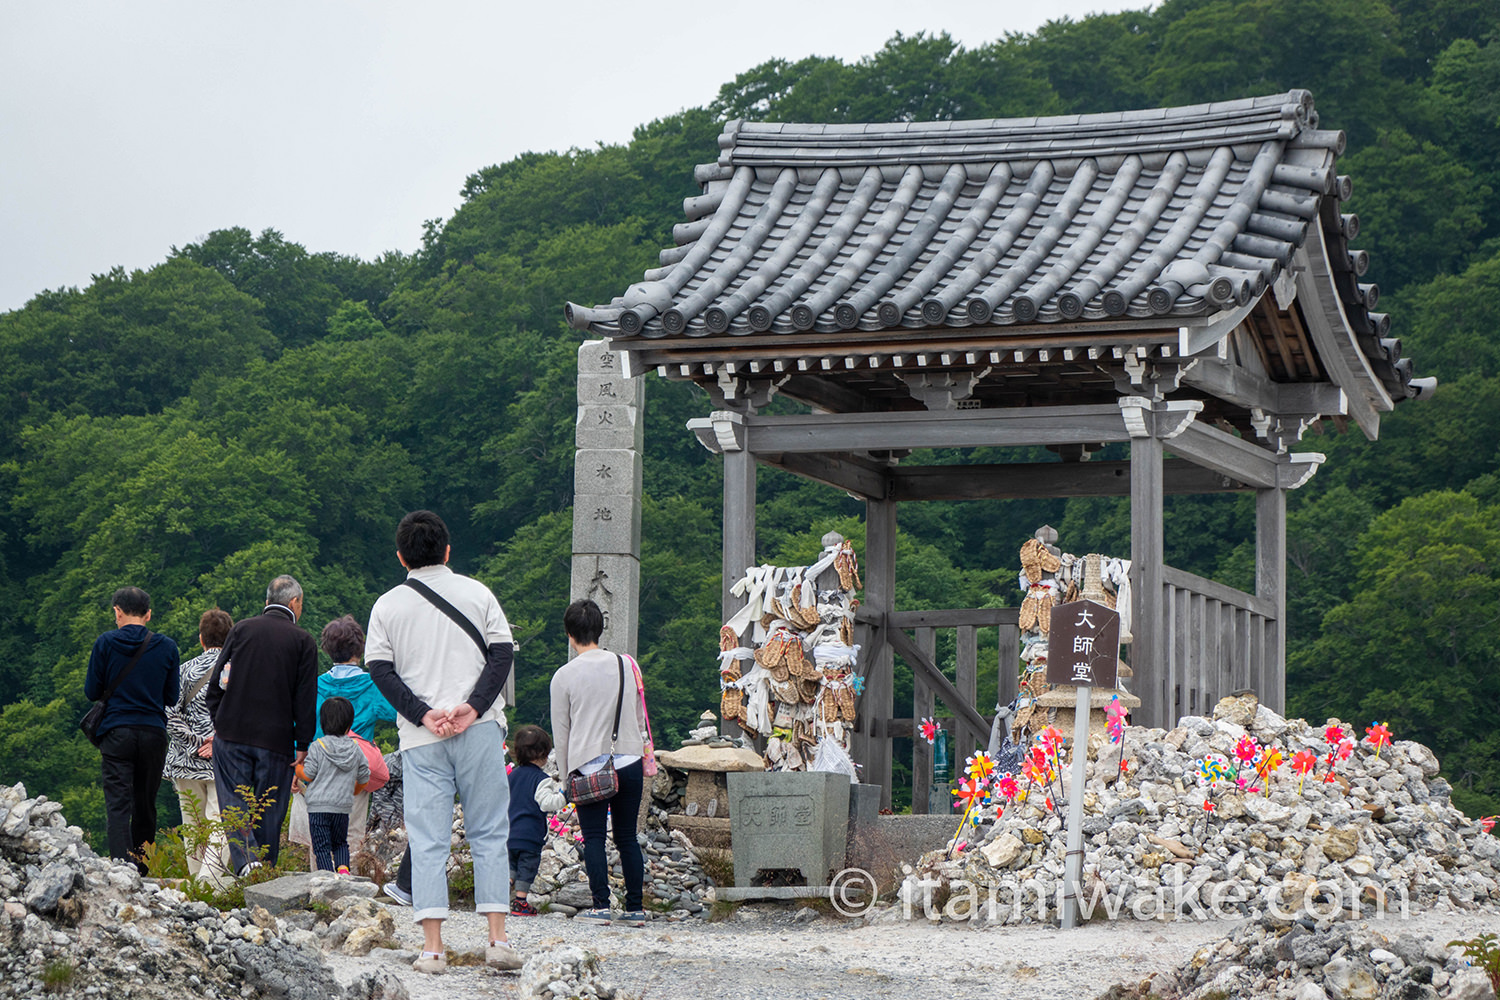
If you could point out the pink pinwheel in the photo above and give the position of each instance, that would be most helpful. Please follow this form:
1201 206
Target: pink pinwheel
1303 761
1033 772
930 731
1007 787
1378 735
1247 749
1116 715
1345 749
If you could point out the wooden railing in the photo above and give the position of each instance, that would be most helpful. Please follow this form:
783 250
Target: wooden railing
967 722
1218 640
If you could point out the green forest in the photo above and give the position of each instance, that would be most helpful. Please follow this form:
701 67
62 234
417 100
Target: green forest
249 406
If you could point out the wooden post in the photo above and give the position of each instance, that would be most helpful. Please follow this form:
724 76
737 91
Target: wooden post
923 705
966 679
739 537
880 591
1147 657
1270 585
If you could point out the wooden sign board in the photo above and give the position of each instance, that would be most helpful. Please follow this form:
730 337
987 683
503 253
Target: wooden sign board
1083 645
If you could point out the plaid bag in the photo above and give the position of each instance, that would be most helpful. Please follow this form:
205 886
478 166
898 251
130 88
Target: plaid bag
586 789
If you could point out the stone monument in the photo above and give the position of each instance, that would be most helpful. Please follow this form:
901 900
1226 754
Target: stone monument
607 492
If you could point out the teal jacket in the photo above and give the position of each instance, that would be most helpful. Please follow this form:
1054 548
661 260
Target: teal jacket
348 681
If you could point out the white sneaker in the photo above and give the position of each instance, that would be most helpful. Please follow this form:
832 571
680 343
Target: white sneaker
249 867
397 893
500 955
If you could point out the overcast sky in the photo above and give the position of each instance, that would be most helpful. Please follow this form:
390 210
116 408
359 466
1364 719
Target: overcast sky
128 128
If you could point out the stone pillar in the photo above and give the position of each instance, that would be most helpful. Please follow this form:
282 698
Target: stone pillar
607 493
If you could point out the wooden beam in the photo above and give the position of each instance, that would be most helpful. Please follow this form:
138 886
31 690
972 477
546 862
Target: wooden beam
861 478
1045 480
951 618
1227 455
935 678
1235 384
826 394
1014 426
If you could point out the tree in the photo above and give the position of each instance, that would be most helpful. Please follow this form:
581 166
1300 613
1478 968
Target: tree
1416 645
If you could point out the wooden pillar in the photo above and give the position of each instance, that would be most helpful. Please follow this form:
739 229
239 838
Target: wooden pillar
924 705
1270 585
739 536
879 700
739 524
1148 651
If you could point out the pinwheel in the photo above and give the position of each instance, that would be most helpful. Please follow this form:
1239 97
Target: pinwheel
1302 762
1270 760
930 731
1334 735
1487 823
980 766
1051 738
1247 749
1007 787
1116 714
972 794
1378 735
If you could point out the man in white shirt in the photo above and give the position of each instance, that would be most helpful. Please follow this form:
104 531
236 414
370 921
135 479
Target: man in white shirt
424 653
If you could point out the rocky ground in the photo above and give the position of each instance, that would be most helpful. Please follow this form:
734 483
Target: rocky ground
1273 896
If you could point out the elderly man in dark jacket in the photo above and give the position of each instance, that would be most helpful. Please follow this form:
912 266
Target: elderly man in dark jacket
263 696
133 732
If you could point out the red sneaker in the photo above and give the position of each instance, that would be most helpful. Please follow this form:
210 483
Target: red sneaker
522 908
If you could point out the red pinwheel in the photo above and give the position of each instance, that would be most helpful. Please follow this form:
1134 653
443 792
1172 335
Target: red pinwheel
970 793
1378 735
1008 787
1334 735
1051 738
1303 761
1487 823
930 730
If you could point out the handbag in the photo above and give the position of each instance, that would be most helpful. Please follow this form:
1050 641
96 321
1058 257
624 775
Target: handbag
649 765
586 789
379 772
91 720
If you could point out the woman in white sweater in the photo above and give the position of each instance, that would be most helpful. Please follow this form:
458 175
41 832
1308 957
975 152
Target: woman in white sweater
598 716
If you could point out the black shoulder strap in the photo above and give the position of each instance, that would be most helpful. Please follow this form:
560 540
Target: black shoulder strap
134 659
439 602
619 702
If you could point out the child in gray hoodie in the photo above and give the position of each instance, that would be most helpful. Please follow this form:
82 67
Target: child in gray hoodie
334 771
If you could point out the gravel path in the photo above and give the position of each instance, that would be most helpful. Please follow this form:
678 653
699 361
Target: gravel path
767 955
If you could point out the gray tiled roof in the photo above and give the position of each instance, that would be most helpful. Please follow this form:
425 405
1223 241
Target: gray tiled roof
1149 216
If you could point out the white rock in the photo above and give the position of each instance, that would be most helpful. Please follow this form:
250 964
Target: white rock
1471 984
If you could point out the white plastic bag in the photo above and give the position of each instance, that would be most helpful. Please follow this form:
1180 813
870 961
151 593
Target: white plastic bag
829 756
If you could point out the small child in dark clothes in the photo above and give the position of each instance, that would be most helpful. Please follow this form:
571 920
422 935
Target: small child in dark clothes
334 771
528 820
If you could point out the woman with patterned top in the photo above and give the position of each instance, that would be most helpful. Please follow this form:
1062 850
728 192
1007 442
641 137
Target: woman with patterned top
190 746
